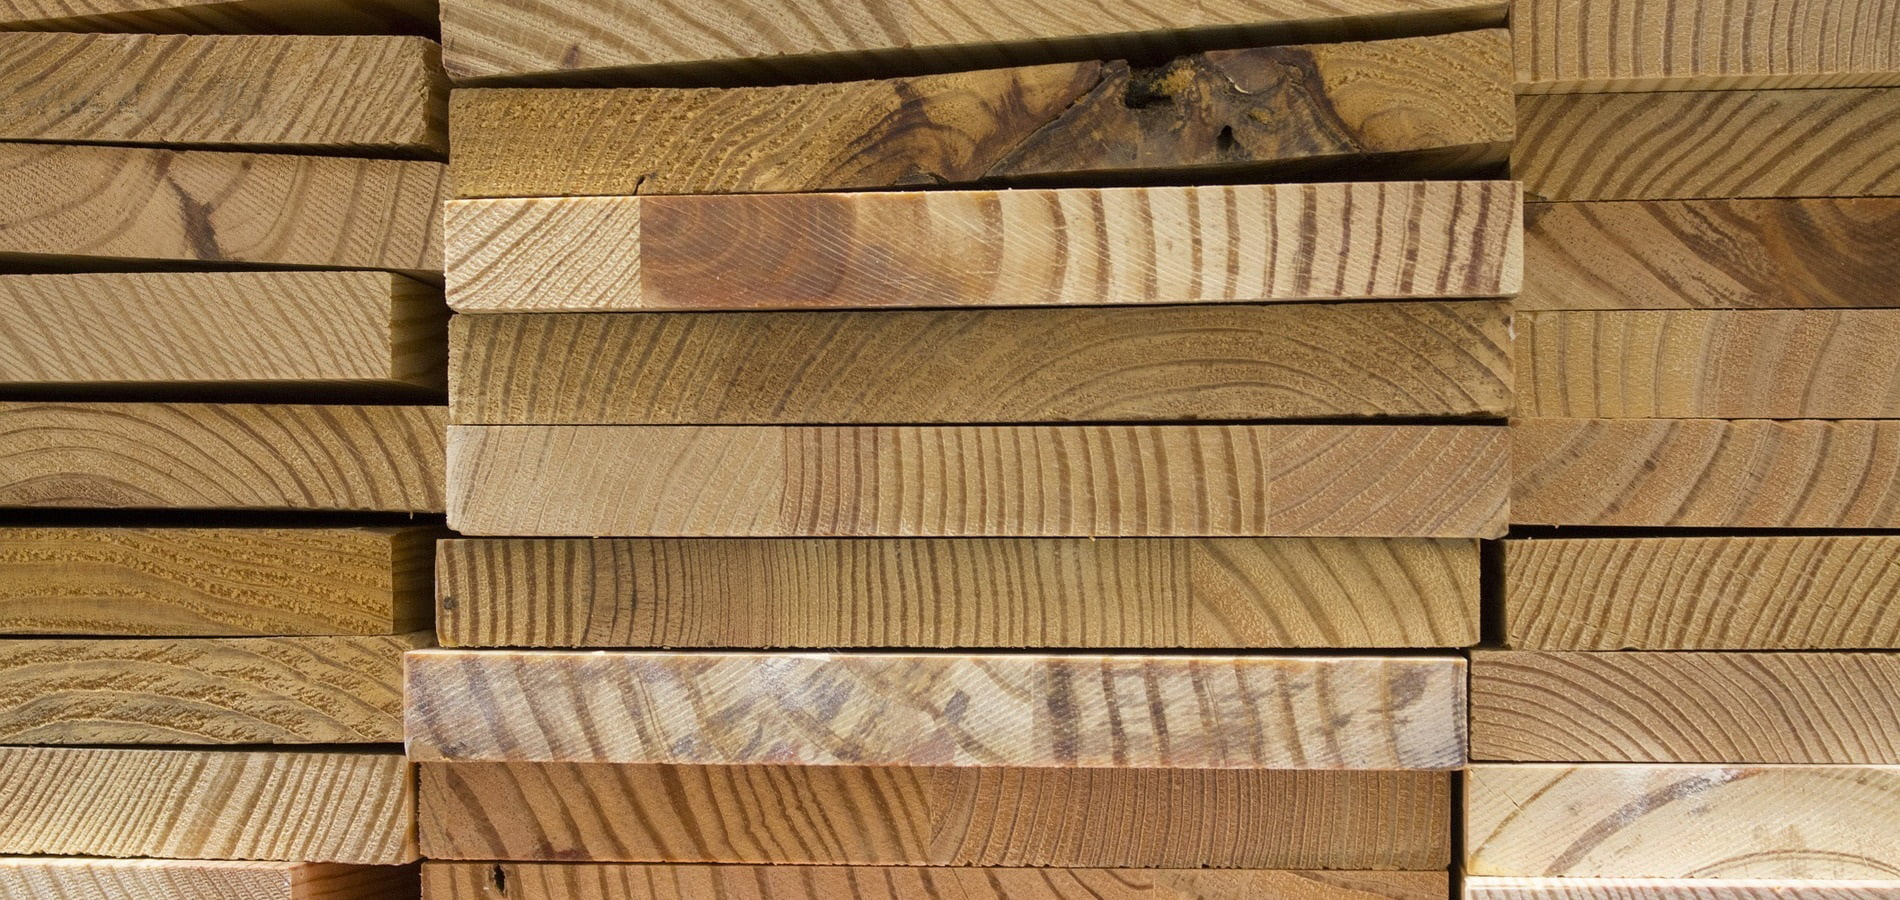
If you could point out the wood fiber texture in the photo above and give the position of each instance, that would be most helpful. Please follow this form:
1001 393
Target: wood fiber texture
1507 888
221 16
68 878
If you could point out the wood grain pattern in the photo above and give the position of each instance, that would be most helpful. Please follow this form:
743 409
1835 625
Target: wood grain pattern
1400 240
367 334
818 593
203 804
1802 822
66 878
1027 481
1653 254
1706 473
1507 888
222 456
62 201
221 16
348 94
1709 144
1167 818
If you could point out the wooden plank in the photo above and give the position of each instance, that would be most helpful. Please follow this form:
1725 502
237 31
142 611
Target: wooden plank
1698 363
935 710
1399 240
222 456
1657 254
347 94
1167 818
1008 481
1802 822
164 879
1706 473
908 592
993 365
204 804
368 334
1703 593
62 202
1507 888
1829 142
1533 706
221 16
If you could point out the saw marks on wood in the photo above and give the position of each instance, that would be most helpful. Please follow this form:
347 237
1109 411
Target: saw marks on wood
65 878
203 804
1507 888
881 815
221 16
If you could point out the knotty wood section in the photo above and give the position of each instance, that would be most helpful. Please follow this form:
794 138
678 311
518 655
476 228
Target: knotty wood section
1685 707
222 456
165 879
1654 254
207 804
1056 592
65 201
350 333
1376 240
934 710
1706 473
1801 822
1708 144
348 94
221 16
1021 481
1505 888
880 815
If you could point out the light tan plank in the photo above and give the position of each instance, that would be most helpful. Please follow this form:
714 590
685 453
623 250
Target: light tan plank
1506 888
221 16
67 878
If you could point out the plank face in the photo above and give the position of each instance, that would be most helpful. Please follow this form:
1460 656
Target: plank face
1801 822
879 815
221 16
165 879
1506 888
1233 243
290 806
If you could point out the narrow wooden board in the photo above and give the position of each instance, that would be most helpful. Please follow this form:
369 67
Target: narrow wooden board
71 878
1299 361
1535 706
1506 888
221 16
909 592
1002 481
64 201
222 456
1800 822
1379 240
1706 473
208 804
1168 818
361 334
1658 254
371 94
1831 142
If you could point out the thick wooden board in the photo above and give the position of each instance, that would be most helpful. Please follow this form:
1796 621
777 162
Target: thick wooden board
1507 888
60 202
1534 706
998 481
1706 473
1800 822
222 456
1350 360
1399 240
908 592
221 16
1658 254
828 709
1169 818
336 333
1709 144
346 94
208 804
68 878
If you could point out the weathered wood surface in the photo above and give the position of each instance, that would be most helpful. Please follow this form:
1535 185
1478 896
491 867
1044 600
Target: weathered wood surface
828 709
1703 593
1655 254
70 878
1833 142
1247 243
207 804
221 16
1508 888
1699 363
1179 818
222 456
1798 822
336 333
1706 473
908 592
67 201
345 94
1298 361
999 481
